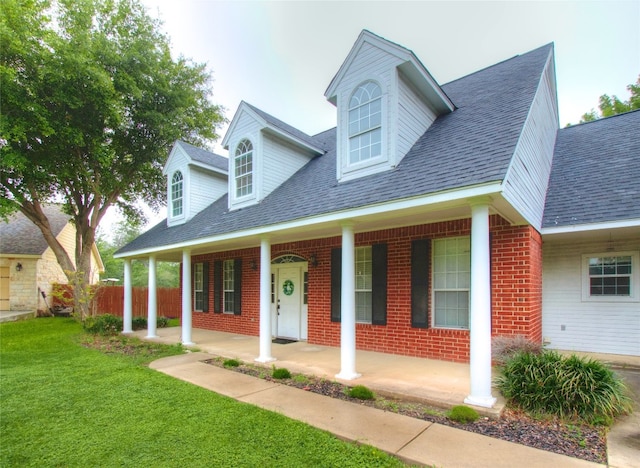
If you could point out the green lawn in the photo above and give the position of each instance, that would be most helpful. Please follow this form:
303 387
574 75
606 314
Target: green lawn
62 404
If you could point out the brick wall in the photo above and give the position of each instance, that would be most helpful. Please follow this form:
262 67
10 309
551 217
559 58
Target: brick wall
516 276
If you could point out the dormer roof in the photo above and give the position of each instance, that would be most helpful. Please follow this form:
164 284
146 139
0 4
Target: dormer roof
411 67
200 158
275 126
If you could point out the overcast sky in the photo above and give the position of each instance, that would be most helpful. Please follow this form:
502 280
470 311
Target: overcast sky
281 56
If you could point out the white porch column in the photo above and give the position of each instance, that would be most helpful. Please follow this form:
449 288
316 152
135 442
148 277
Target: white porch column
265 302
480 313
348 305
127 315
152 303
186 297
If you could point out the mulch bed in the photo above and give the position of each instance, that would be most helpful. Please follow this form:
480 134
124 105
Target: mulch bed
572 439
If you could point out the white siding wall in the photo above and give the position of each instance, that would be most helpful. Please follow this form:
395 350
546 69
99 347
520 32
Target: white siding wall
177 162
414 118
525 185
568 322
371 63
280 160
204 188
246 127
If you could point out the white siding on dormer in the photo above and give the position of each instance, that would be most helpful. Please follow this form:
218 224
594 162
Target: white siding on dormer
177 162
204 188
414 117
371 63
249 128
280 160
526 182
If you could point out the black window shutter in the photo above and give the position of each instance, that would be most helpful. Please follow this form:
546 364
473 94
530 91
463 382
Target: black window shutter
193 286
336 284
420 251
379 284
237 286
205 286
217 287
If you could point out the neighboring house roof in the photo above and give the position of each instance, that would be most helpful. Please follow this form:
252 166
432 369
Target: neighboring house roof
595 176
19 236
472 145
205 157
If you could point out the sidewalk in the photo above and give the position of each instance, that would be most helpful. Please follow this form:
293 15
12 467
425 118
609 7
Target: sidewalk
411 440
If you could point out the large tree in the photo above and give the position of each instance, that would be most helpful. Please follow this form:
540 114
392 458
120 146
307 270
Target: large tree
609 106
91 101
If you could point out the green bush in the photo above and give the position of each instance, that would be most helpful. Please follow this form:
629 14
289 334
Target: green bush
163 322
361 393
549 383
231 363
138 323
463 414
106 324
281 373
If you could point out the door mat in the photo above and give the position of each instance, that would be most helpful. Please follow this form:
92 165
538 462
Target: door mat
282 341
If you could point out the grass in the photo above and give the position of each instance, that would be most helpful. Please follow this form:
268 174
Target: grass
64 404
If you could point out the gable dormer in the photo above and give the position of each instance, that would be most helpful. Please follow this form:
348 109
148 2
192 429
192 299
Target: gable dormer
386 99
263 153
195 179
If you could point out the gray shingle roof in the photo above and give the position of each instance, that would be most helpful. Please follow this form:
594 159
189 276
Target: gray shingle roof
19 236
472 145
205 157
284 127
595 175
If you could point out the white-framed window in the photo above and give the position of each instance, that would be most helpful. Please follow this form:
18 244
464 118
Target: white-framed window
451 282
243 163
365 123
177 191
228 286
611 277
198 286
364 283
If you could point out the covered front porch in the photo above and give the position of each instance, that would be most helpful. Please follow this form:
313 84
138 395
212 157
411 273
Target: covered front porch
439 383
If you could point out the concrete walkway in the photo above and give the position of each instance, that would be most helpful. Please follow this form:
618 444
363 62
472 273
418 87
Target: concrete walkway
438 383
412 440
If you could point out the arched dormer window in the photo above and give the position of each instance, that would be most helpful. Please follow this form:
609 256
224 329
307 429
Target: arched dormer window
365 123
176 194
243 163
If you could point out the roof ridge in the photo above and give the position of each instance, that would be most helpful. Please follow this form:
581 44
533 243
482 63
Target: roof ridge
600 119
549 44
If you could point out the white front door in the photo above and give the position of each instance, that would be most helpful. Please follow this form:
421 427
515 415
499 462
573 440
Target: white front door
289 301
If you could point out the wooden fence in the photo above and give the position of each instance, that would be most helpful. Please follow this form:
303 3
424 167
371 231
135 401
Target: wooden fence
110 300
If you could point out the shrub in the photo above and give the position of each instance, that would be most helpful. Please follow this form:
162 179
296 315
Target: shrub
281 373
505 347
106 324
463 414
301 379
231 363
564 386
163 322
361 393
138 323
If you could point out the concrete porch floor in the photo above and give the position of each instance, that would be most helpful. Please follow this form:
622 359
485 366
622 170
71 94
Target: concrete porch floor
439 383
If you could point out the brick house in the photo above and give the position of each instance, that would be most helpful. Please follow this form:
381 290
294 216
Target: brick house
418 226
28 265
